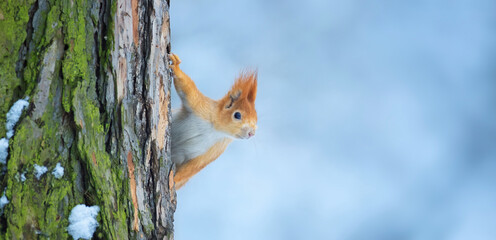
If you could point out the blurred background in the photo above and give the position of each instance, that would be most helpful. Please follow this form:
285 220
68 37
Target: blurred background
377 119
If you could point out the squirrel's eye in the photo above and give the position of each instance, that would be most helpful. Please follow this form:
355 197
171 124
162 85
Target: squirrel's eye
237 115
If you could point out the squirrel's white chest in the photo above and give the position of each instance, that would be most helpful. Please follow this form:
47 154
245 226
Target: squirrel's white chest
191 136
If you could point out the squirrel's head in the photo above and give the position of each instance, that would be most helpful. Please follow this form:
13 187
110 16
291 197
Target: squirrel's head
237 108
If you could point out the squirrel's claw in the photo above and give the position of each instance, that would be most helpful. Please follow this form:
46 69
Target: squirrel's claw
174 58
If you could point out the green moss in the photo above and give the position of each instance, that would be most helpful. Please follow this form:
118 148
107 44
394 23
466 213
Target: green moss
45 28
39 205
52 24
105 50
12 34
44 205
31 209
75 65
111 190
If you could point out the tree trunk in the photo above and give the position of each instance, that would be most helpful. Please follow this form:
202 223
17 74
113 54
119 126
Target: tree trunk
97 77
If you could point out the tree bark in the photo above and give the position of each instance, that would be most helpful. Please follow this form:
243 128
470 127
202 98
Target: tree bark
97 77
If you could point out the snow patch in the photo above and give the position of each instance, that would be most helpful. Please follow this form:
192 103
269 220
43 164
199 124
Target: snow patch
4 150
82 221
3 201
14 114
23 177
12 117
58 172
39 171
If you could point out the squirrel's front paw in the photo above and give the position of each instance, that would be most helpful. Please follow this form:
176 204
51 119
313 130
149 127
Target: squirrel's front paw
175 59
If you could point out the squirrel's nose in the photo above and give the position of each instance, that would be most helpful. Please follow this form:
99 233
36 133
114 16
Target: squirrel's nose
251 133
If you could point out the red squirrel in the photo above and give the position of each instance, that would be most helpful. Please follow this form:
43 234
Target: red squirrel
202 128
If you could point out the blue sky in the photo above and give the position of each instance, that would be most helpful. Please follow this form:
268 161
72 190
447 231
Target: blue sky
377 119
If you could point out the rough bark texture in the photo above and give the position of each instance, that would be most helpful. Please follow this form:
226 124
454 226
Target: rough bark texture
96 72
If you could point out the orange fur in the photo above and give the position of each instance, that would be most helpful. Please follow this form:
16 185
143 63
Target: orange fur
193 166
218 116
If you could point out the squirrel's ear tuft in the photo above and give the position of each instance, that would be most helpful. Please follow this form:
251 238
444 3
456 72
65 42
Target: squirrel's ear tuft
247 84
245 87
252 94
